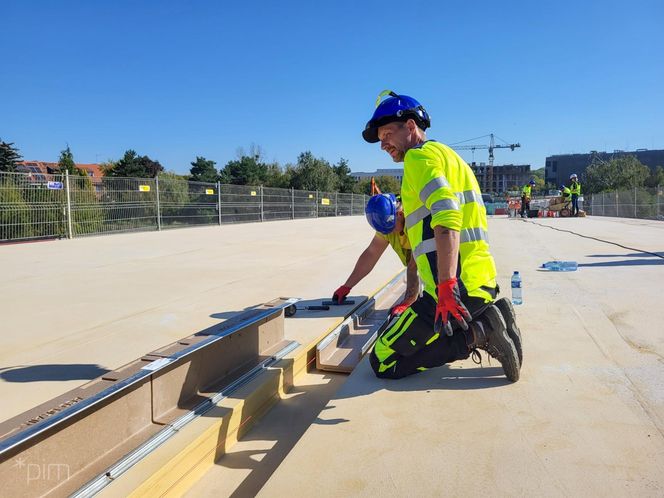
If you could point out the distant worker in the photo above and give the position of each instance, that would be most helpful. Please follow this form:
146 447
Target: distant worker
385 215
446 224
575 189
526 192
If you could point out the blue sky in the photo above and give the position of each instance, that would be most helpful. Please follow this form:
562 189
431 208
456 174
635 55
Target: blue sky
174 80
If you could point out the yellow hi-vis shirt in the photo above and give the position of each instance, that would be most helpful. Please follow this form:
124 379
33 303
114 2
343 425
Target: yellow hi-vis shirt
566 192
575 188
440 189
526 190
399 243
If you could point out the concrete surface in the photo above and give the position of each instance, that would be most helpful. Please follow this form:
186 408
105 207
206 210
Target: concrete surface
586 418
73 309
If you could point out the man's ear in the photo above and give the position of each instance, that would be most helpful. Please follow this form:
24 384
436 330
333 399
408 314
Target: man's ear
412 125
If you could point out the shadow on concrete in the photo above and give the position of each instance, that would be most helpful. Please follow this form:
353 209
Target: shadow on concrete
273 441
630 255
624 262
440 378
53 372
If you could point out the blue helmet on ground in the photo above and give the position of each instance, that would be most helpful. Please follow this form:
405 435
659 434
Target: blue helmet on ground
381 212
394 108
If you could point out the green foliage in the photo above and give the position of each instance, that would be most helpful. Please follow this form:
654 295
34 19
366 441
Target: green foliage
87 215
276 177
133 165
203 170
386 184
247 170
312 173
618 174
66 163
15 217
9 156
107 166
656 178
345 181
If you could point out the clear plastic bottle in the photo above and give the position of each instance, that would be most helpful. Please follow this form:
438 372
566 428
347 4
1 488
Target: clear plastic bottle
560 265
517 296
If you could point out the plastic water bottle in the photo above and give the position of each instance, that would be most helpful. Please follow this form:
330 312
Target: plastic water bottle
560 265
517 296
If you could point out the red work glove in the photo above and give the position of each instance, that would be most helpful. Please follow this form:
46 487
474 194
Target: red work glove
398 309
340 294
450 306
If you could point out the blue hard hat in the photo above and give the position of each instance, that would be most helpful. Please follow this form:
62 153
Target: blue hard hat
395 108
381 212
532 182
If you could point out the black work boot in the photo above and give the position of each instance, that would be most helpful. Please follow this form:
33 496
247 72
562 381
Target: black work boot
489 332
507 311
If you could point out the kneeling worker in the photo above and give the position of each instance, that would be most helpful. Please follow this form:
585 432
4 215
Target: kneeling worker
446 223
566 193
385 215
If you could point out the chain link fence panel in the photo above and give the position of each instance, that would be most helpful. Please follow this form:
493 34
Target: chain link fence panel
35 205
642 203
32 206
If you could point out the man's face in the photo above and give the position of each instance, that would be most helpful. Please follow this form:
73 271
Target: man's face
395 139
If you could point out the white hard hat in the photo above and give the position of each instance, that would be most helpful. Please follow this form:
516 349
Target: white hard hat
573 175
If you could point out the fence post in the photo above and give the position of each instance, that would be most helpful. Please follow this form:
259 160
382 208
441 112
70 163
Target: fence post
261 190
292 202
316 203
659 194
336 204
219 200
351 203
617 213
634 202
70 231
156 182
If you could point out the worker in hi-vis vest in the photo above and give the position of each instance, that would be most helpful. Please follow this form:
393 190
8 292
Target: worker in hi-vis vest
565 192
575 189
385 215
446 224
526 192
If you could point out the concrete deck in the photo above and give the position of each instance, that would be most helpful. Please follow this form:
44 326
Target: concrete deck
586 418
71 310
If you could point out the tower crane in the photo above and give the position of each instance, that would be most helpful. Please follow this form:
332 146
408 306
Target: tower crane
488 178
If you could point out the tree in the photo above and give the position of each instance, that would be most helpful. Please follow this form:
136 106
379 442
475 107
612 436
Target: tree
203 170
133 165
9 156
107 166
247 170
345 181
656 178
277 177
386 184
312 173
66 163
621 173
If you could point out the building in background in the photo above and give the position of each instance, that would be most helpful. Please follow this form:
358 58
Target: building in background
396 173
559 167
505 177
40 168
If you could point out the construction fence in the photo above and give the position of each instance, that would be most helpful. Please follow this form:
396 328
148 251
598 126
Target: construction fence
644 203
34 205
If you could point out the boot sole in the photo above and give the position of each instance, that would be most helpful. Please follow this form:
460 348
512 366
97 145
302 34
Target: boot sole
507 311
497 336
